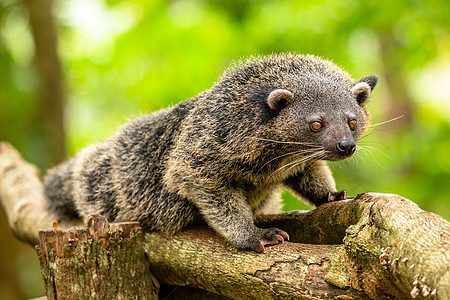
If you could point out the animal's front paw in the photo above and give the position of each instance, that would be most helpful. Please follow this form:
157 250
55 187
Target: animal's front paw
331 197
336 196
264 237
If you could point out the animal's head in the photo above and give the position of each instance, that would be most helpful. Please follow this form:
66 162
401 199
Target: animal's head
310 103
323 114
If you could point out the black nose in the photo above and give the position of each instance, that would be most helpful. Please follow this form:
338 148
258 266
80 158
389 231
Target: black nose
346 147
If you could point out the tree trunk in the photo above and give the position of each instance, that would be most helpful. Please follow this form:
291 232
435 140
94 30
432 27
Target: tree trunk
102 261
399 101
50 107
374 246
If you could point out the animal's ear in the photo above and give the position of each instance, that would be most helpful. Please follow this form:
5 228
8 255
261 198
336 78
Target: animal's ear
279 99
362 88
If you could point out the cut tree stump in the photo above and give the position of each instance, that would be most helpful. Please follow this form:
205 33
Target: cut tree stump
102 261
377 246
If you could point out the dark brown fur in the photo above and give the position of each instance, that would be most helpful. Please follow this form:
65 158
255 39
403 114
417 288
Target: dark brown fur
224 154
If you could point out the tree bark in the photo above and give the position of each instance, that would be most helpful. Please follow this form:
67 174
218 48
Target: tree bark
374 246
102 261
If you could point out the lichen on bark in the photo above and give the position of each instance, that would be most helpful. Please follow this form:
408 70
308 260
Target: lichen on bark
376 246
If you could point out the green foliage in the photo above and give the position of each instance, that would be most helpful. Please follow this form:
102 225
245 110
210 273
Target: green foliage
123 58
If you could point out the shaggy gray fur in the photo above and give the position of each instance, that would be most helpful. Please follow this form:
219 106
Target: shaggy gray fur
223 155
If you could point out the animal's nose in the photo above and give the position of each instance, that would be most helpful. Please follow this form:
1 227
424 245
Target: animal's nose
346 147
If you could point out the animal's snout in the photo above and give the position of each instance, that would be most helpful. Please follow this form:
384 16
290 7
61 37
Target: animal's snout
346 147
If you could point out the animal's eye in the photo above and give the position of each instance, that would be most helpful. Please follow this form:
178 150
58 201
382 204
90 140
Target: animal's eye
352 124
316 126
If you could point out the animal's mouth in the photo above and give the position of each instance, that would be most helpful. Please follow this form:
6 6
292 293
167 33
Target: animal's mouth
333 156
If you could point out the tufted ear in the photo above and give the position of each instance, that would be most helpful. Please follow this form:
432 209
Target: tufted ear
362 88
279 99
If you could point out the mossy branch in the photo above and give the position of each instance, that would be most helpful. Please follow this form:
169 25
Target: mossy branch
376 245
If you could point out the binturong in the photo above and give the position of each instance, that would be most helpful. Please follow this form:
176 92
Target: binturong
222 157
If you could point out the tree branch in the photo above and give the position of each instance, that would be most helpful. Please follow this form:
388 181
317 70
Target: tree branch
22 196
376 245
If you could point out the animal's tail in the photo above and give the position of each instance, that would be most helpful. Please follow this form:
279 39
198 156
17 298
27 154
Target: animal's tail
58 188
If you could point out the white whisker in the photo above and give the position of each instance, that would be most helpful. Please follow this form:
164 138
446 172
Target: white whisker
299 152
313 162
312 145
370 154
298 162
382 152
385 122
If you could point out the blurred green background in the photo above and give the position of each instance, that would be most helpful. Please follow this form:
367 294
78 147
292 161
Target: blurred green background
119 59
